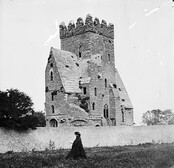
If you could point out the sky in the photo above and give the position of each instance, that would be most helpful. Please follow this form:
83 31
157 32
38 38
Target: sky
144 45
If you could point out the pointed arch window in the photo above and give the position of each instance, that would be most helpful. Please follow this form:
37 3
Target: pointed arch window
105 110
95 91
80 51
105 83
84 90
51 76
52 108
122 115
93 106
52 96
109 57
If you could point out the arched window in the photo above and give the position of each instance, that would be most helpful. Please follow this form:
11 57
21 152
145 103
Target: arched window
80 51
84 90
122 115
106 115
52 108
52 96
95 91
109 57
105 83
51 75
93 106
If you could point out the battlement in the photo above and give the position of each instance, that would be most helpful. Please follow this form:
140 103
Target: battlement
89 26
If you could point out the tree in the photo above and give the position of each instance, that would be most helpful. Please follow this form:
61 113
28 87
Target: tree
41 119
16 110
158 117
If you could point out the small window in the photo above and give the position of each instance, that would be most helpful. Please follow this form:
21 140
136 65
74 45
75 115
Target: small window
84 90
105 83
80 54
123 100
52 108
109 57
51 65
110 41
119 89
95 91
46 89
80 51
51 76
52 96
67 66
114 85
122 116
93 106
106 115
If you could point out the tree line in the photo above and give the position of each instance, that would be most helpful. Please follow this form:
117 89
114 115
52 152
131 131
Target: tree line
17 113
158 117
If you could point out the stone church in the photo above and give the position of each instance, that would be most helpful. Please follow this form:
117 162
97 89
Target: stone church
82 85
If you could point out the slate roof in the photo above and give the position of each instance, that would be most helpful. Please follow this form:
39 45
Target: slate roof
121 90
68 70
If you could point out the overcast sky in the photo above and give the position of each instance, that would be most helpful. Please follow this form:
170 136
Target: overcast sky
144 45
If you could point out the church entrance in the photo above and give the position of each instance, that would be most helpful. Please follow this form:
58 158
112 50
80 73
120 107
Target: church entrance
53 123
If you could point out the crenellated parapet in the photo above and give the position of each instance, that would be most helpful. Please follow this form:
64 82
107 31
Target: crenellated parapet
88 26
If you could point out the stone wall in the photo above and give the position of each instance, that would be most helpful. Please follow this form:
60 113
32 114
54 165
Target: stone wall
91 136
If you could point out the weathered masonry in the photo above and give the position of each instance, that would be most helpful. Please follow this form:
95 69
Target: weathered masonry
82 85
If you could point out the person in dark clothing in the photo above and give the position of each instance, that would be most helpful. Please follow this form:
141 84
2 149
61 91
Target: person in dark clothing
77 151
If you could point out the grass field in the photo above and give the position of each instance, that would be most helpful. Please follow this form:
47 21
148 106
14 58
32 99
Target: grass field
140 156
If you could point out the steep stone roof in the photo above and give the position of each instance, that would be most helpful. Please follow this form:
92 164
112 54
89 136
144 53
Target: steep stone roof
68 70
124 98
72 70
77 112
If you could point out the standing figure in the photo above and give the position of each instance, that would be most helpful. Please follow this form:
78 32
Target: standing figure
77 150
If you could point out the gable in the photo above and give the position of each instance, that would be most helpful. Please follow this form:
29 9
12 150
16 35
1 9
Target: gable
68 70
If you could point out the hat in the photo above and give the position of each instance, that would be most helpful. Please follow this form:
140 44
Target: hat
77 133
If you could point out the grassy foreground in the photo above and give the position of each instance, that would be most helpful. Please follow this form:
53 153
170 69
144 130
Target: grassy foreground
141 156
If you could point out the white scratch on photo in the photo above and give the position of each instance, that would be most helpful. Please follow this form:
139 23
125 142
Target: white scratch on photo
156 9
152 11
131 26
53 35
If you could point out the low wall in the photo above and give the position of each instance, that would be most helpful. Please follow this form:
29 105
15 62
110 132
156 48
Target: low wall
91 136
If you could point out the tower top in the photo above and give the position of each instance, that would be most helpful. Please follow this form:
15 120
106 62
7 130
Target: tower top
89 26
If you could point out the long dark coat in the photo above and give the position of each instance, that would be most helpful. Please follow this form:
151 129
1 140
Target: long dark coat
77 151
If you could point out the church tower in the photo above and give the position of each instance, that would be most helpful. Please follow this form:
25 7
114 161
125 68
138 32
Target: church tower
93 39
